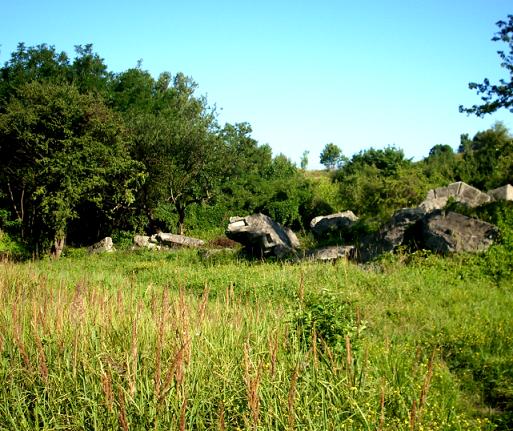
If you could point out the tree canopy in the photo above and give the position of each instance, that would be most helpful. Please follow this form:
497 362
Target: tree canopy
500 95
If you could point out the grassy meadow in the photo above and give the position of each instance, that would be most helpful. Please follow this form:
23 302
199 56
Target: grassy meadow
191 340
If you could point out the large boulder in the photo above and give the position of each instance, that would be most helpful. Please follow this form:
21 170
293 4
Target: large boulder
103 246
165 240
172 240
324 226
504 193
262 236
437 231
398 231
460 192
143 241
453 232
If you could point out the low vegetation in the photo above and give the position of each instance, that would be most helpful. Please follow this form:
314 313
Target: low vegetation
179 340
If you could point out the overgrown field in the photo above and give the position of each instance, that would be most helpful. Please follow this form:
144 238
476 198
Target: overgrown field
182 340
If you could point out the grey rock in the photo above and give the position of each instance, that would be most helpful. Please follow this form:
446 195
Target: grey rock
323 226
332 253
459 191
261 236
452 232
103 246
172 240
144 241
504 193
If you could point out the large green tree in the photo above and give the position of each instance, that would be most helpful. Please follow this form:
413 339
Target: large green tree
59 148
174 135
500 95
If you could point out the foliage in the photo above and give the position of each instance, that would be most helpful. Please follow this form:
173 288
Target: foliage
331 156
377 182
487 158
60 148
325 318
497 96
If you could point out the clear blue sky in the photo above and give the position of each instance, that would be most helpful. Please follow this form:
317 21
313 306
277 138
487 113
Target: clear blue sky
302 73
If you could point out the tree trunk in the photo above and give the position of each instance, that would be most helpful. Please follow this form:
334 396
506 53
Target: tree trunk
180 226
58 246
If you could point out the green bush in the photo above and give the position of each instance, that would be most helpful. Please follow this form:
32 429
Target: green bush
330 316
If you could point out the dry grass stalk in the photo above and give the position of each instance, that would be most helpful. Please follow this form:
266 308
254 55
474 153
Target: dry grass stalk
221 423
382 407
425 387
292 398
133 353
123 422
43 367
314 348
349 359
203 304
413 415
331 357
273 351
183 410
183 321
176 370
17 333
106 378
252 385
160 341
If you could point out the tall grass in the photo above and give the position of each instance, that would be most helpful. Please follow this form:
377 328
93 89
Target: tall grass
176 341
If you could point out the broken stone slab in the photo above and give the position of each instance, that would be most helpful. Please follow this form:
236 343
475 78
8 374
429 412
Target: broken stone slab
103 246
453 232
143 241
461 192
398 231
261 236
172 240
504 193
324 226
332 253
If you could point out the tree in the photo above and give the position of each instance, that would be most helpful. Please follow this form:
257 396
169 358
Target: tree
487 158
175 137
496 96
59 148
376 182
331 156
304 160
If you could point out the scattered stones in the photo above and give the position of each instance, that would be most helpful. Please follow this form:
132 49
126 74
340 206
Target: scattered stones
261 236
324 226
103 246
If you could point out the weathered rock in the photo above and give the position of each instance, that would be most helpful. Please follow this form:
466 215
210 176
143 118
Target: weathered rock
452 232
323 226
103 246
459 191
172 240
504 193
332 253
435 231
261 236
143 241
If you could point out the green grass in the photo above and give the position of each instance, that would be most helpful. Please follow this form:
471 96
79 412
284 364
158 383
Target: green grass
182 341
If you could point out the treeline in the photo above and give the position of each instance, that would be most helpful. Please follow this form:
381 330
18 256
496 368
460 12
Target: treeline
85 153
